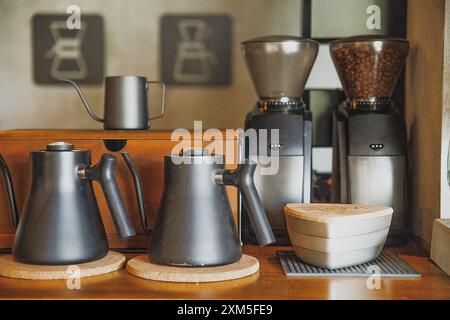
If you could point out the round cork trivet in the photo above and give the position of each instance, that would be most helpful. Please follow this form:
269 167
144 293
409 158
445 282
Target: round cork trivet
12 269
142 268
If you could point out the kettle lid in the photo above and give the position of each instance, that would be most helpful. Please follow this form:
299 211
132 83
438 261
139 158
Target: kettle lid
60 146
195 156
195 152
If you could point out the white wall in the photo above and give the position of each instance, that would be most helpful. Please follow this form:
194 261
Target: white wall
132 39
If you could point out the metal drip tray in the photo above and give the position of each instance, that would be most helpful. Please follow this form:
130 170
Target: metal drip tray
390 266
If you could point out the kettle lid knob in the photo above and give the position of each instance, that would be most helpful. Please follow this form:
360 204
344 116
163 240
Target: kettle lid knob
60 146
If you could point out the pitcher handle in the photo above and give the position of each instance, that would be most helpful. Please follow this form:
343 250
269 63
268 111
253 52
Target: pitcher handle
103 173
163 100
138 189
242 177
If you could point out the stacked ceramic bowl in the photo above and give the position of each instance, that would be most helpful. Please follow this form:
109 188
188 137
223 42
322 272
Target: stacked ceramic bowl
337 235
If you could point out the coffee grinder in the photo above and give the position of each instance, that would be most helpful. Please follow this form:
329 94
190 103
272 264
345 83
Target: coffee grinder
279 67
369 136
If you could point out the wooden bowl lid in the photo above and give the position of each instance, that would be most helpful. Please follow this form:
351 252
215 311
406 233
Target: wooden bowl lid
331 212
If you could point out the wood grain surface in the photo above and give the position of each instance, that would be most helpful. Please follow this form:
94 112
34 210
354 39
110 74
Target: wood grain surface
331 212
426 115
147 149
269 283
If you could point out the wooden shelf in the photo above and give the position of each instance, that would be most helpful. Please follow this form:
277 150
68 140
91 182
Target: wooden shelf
269 283
51 134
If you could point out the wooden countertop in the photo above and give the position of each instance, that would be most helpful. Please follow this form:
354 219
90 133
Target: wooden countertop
269 283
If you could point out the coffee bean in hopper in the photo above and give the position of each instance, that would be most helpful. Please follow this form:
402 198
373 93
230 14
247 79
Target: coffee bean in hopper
366 72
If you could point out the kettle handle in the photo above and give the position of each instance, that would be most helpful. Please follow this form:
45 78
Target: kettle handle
242 177
138 189
163 100
10 190
83 99
103 173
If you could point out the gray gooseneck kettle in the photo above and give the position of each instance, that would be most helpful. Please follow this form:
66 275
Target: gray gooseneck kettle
195 225
125 102
60 222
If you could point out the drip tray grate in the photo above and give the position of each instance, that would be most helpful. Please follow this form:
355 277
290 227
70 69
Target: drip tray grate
389 264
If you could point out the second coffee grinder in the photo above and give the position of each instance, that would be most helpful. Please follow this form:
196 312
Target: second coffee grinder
369 140
279 67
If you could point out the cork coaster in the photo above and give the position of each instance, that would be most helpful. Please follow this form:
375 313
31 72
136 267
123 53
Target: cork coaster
12 269
142 268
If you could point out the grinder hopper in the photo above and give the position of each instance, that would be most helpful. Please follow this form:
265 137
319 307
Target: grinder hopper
279 65
369 66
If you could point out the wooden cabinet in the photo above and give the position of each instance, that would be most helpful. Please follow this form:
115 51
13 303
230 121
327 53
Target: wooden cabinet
146 148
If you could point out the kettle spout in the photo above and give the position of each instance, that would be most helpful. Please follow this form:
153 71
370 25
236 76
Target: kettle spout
83 99
10 191
138 188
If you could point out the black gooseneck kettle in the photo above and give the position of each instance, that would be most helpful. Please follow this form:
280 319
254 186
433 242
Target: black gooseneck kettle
60 222
195 225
